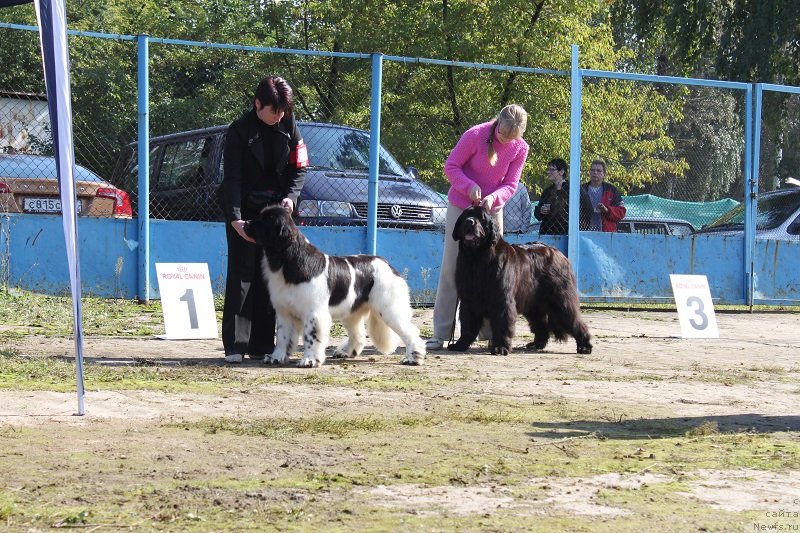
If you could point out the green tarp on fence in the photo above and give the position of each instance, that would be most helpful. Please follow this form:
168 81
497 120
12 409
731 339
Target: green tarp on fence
697 213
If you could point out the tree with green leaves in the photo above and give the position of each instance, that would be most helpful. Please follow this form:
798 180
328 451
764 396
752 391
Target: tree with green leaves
747 40
425 107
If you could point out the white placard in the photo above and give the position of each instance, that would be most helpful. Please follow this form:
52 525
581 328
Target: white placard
695 308
187 301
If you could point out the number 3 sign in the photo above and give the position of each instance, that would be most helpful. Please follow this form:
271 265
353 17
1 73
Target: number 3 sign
695 309
186 301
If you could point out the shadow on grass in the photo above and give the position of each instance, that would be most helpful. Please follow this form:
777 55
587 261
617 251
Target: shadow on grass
217 360
668 427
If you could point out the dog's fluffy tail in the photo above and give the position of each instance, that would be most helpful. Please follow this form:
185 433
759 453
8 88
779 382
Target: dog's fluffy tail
390 318
383 338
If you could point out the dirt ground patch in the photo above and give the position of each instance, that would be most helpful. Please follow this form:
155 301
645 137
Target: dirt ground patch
643 384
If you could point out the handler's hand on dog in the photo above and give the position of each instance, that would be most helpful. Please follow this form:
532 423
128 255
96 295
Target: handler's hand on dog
238 225
475 194
287 204
487 203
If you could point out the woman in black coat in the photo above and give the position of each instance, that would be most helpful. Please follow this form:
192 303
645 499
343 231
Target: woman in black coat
264 164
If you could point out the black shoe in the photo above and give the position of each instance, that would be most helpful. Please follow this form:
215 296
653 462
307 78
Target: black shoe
256 356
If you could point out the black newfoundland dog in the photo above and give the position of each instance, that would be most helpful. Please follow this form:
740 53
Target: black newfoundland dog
309 289
498 280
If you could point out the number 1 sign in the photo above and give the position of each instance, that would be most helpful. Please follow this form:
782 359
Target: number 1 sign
695 309
186 301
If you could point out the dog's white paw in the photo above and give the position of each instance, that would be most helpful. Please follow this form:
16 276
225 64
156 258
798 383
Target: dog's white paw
415 353
275 359
411 361
311 360
343 352
413 358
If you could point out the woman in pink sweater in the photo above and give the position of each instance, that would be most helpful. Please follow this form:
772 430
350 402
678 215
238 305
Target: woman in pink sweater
483 168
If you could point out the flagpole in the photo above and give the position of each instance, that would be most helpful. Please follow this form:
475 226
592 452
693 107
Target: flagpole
51 15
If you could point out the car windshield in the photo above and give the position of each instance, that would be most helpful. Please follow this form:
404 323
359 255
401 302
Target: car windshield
773 210
335 148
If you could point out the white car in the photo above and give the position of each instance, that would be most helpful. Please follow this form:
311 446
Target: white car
777 217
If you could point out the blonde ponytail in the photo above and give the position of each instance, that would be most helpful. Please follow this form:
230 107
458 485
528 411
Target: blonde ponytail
511 121
490 142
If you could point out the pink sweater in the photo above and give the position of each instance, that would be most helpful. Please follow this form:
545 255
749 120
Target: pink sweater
468 165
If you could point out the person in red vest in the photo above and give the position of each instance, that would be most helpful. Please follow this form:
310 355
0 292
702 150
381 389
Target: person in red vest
607 207
265 164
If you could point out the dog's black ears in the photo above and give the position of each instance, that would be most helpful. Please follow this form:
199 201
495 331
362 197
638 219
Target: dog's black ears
285 231
456 233
490 226
280 221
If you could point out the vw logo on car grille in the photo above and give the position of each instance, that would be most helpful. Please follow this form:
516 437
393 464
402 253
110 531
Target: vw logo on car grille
396 211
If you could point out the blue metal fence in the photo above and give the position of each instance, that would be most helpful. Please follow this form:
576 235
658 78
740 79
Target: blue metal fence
609 267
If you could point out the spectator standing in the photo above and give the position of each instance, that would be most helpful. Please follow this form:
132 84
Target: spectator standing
483 168
553 206
265 160
607 207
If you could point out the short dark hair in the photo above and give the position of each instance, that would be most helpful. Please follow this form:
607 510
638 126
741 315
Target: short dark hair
559 163
600 162
275 92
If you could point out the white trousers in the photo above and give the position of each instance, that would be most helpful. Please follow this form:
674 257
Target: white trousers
444 309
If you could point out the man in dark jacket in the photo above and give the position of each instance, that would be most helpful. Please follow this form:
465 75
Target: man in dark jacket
265 160
607 207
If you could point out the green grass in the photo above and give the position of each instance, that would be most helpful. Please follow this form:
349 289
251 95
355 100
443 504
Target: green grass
57 374
323 471
26 313
322 448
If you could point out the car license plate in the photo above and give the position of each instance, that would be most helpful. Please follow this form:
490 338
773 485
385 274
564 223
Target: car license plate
45 205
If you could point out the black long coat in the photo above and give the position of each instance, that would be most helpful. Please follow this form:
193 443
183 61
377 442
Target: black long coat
265 159
248 167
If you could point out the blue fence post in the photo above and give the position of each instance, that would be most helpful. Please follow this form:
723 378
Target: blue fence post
573 240
752 150
143 153
374 154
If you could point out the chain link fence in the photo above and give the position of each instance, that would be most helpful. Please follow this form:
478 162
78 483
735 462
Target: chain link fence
778 207
675 152
102 120
779 154
682 166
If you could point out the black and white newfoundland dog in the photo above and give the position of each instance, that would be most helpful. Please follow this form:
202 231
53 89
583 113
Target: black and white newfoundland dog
497 280
309 289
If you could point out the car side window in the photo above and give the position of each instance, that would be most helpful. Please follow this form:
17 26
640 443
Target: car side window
651 228
184 163
680 229
623 227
